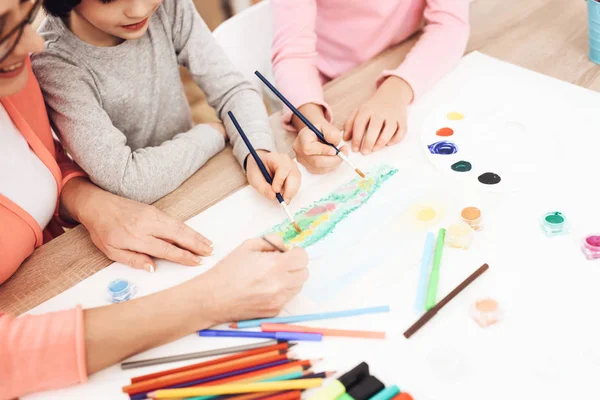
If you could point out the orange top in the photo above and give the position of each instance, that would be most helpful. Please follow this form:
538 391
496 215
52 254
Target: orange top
46 351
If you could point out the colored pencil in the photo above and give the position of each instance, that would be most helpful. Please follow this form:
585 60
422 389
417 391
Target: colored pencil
387 393
245 352
236 388
425 262
434 277
258 376
291 395
308 123
296 336
263 170
254 374
205 372
434 310
323 331
310 317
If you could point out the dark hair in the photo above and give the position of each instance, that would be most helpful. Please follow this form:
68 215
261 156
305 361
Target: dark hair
60 8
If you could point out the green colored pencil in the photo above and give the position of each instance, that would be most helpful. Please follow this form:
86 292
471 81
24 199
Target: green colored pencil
434 276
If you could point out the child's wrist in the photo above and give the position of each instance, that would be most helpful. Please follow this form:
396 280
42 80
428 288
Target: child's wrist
399 88
314 112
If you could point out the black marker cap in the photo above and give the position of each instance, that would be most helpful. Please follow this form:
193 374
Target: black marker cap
355 375
366 388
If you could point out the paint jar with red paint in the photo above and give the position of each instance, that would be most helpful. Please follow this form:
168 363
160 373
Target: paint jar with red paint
591 246
594 30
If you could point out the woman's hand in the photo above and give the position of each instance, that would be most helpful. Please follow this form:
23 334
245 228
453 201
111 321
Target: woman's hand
253 281
381 121
285 173
130 232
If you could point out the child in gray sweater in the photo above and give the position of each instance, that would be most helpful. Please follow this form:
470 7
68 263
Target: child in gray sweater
110 77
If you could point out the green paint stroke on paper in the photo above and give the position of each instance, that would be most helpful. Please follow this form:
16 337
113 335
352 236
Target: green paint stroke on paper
320 219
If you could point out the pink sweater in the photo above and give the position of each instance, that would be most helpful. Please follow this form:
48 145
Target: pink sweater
318 40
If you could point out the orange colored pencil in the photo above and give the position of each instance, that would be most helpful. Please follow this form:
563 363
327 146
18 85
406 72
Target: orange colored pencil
282 347
204 372
323 331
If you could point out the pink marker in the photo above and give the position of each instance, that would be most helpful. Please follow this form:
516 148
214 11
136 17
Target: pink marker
591 246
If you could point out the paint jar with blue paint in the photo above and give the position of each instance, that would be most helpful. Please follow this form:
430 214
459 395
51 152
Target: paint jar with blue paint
120 290
594 30
554 223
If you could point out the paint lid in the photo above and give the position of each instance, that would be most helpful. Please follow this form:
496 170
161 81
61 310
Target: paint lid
486 312
459 236
472 216
120 290
554 223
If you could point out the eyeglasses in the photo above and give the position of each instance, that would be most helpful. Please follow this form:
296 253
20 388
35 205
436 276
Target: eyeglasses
10 41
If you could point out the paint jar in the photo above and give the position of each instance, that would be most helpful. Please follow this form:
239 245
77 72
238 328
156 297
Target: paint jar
459 236
472 217
594 30
120 290
591 246
486 312
554 223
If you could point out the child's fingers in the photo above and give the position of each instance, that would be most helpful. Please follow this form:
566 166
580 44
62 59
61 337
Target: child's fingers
258 182
291 185
389 130
358 130
373 131
282 170
348 126
311 146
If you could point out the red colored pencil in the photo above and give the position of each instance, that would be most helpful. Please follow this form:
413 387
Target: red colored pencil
278 347
291 395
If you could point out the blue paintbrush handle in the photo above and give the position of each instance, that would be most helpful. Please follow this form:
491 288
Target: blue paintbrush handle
259 162
295 111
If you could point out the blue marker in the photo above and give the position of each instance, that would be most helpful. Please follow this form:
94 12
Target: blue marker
288 336
424 276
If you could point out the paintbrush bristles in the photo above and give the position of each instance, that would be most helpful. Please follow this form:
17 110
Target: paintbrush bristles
297 227
359 172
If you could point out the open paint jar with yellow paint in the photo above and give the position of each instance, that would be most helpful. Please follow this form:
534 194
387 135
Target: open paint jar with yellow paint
459 236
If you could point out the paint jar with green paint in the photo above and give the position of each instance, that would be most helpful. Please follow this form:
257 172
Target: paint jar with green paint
554 223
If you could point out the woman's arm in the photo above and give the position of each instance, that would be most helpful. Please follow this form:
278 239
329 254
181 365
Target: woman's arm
59 349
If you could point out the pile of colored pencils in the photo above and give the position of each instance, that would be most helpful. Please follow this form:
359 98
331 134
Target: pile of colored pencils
269 372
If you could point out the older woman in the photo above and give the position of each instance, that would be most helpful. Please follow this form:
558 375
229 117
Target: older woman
41 187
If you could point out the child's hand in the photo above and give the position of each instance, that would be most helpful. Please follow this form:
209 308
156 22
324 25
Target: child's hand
318 158
285 173
381 121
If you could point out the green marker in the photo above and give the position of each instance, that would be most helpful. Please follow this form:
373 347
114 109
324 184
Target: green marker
434 276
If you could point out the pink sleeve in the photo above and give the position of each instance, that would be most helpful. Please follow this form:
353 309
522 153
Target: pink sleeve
440 47
41 352
295 55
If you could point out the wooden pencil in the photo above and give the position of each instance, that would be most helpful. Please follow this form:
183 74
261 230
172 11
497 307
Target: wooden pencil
205 372
193 356
434 310
237 388
291 395
282 347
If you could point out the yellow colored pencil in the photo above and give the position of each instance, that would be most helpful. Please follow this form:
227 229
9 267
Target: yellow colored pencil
236 388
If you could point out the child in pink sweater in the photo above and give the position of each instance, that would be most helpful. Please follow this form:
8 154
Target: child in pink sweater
318 40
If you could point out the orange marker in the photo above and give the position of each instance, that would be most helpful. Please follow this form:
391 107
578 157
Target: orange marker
325 332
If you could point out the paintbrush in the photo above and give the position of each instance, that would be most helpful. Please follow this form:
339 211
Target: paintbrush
306 122
434 310
264 171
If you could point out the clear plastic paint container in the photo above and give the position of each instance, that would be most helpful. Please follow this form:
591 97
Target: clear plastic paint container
591 246
594 30
472 217
120 290
459 236
554 223
486 312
